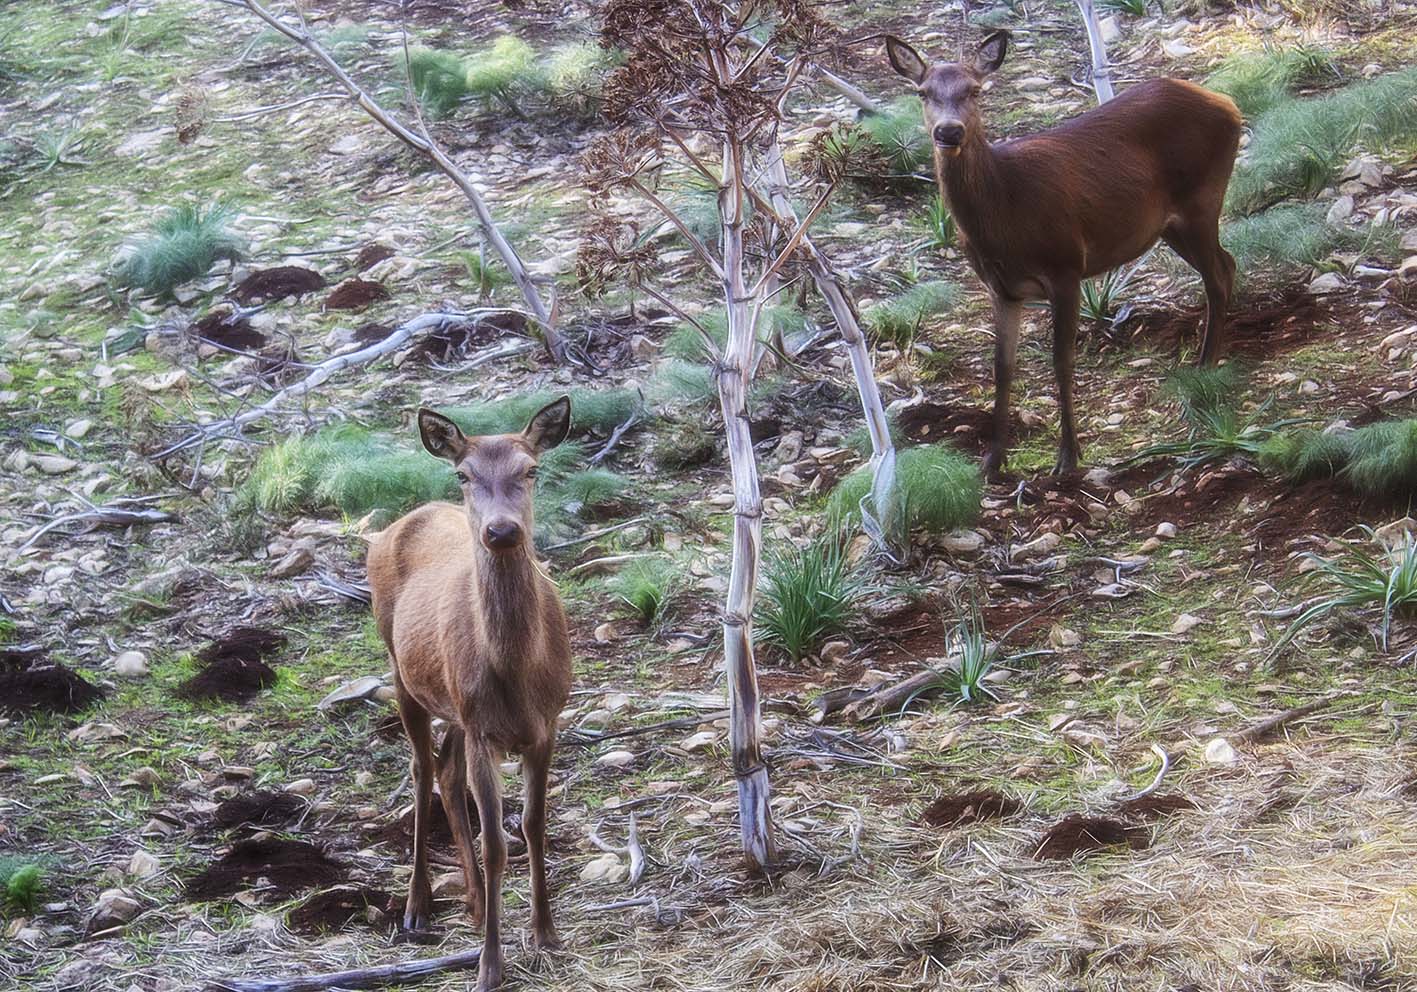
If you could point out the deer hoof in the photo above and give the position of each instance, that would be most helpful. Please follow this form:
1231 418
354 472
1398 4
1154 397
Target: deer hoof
489 975
993 466
547 941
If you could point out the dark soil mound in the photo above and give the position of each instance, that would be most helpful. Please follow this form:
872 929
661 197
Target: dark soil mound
968 428
233 668
46 687
451 342
229 330
20 656
1318 507
258 809
1154 807
1261 327
372 332
440 832
278 283
287 866
371 254
332 909
355 294
970 807
1076 834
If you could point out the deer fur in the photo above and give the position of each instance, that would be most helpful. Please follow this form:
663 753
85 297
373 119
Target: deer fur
1039 214
477 636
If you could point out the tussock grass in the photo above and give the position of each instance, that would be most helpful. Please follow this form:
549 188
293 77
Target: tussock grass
597 411
1382 581
937 489
1382 458
808 595
677 383
21 882
184 245
941 232
439 80
511 73
898 320
1205 389
1257 81
1302 455
1294 235
1102 297
898 135
1298 146
646 587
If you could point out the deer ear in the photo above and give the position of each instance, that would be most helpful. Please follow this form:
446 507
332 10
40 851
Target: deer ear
905 60
441 436
550 425
991 52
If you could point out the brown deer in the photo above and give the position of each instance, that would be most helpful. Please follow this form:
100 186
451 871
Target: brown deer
477 636
1039 214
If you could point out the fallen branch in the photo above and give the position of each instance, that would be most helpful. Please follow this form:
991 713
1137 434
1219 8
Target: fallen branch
1267 726
355 978
1156 782
632 848
618 433
894 696
321 373
102 516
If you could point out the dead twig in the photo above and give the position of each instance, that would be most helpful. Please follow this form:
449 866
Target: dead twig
632 849
356 978
102 516
1267 726
1160 752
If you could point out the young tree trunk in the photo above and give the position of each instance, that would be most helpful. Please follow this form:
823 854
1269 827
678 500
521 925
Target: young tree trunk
423 143
734 374
1101 68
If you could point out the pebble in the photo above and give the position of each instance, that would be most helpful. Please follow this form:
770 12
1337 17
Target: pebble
296 561
143 865
606 868
962 542
53 464
701 741
130 664
1186 623
1219 752
1166 530
301 787
615 759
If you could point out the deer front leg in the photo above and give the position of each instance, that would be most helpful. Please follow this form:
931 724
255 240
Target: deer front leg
535 765
452 780
487 791
1007 316
418 908
1067 297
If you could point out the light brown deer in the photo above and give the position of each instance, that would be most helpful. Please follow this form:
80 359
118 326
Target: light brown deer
477 635
1039 214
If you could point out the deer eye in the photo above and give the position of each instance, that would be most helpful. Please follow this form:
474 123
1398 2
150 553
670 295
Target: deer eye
461 477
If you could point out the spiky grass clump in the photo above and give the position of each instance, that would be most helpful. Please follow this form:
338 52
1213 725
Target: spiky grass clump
1298 146
678 384
937 489
1290 236
941 232
506 70
808 596
898 320
972 659
1383 581
897 134
597 411
21 881
686 342
184 246
1102 297
646 586
1219 434
1205 389
484 273
1382 459
439 79
1302 455
1256 81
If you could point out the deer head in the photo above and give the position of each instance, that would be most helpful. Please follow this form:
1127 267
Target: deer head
949 91
497 472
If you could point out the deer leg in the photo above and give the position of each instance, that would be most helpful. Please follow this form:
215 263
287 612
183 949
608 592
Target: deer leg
487 790
1066 299
452 784
419 905
1199 246
535 763
1007 316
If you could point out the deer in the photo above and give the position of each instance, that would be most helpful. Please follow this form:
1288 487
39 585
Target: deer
1039 214
477 637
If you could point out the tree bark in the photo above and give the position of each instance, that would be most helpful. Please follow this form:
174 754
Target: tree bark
734 372
1101 67
424 143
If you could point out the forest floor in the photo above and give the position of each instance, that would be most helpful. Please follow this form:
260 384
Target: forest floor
1285 861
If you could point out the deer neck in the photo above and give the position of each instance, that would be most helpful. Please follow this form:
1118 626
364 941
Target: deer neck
971 184
507 597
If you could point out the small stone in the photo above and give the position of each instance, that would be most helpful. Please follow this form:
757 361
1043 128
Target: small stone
113 908
301 787
1219 752
1186 623
616 701
605 633
642 348
143 865
1149 545
597 719
962 542
606 868
1341 210
351 692
701 741
1329 282
615 759
143 778
363 779
450 885
834 652
1063 638
1166 530
53 464
78 429
789 448
346 145
130 664
1043 544
296 561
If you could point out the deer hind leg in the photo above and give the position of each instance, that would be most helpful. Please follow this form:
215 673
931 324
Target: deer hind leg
452 785
486 786
415 719
1008 314
1198 243
535 765
1066 300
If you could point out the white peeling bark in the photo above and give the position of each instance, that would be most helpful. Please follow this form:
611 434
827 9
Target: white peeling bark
1101 67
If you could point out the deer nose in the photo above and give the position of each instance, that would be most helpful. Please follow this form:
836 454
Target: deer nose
949 135
501 535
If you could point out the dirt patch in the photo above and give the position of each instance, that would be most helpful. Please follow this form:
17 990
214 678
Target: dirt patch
968 428
440 832
28 685
1205 496
1321 506
355 294
372 332
286 866
370 255
447 343
1154 807
233 668
277 283
970 807
1076 834
333 909
1260 327
228 329
259 809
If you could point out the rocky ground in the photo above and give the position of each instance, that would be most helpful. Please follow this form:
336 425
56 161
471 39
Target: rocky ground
236 803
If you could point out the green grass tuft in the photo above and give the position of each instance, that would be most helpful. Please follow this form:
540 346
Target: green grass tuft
1292 236
1298 146
1302 455
941 232
898 320
647 586
1382 459
21 880
1205 389
184 246
897 134
439 80
808 595
937 489
1257 81
1382 581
